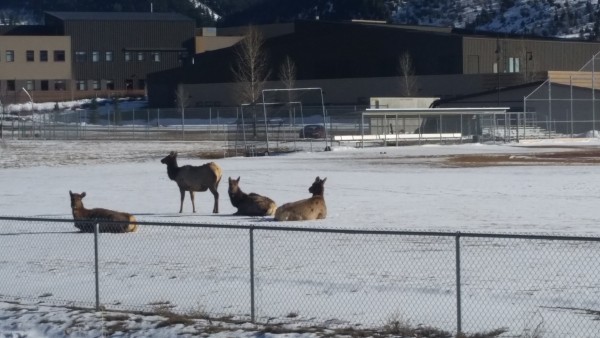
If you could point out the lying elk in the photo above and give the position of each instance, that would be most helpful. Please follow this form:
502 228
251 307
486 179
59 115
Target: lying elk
107 220
249 204
194 178
307 209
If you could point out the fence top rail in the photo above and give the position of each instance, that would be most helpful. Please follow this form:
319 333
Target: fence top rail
253 227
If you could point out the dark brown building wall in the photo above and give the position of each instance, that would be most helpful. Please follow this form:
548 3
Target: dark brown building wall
480 54
174 40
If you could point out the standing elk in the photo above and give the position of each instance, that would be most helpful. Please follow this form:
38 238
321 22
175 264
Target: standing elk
307 209
107 220
194 178
249 204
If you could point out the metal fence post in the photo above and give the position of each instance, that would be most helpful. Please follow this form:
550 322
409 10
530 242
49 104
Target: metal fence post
96 231
252 305
458 284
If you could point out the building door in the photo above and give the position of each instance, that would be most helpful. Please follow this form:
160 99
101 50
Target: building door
472 64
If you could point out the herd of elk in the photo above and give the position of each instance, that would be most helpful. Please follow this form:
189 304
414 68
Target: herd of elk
201 178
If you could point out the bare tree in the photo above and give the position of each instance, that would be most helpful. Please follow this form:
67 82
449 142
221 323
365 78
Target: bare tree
408 84
183 100
287 75
250 69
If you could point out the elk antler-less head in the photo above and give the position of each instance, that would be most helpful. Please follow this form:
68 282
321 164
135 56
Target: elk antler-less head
234 185
317 187
169 158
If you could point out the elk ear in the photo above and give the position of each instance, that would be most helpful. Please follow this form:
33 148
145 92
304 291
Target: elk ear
70 193
83 194
238 180
317 179
323 181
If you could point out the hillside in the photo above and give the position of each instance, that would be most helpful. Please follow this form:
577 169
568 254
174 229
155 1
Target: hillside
548 18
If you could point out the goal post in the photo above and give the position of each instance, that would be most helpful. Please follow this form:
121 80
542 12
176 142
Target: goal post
317 90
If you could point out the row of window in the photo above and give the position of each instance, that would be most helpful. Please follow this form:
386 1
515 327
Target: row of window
80 56
79 85
108 84
108 56
30 85
512 65
58 56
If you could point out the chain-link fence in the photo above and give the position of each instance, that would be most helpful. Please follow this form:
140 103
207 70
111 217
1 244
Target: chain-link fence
565 105
524 285
246 129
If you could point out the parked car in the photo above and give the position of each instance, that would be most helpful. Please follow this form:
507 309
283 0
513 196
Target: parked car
312 131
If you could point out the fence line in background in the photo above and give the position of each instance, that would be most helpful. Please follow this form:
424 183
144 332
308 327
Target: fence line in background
280 128
315 274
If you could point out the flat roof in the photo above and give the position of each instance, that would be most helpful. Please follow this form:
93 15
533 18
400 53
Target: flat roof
119 16
435 111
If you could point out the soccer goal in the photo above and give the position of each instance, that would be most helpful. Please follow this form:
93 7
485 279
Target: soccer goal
277 123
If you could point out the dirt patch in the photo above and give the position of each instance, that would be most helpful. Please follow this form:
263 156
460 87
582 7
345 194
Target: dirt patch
568 157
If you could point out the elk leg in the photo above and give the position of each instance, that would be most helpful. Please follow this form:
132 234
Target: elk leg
192 197
182 192
216 195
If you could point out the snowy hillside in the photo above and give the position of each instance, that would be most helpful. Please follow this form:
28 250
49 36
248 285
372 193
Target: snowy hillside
547 18
559 18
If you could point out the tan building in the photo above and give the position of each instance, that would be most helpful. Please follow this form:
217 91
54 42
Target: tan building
39 64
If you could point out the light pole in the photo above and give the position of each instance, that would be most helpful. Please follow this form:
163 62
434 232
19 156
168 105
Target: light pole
32 117
30 99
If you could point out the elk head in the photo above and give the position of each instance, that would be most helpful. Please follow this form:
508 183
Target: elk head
317 187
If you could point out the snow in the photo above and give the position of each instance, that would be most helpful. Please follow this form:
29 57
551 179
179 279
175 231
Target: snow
389 188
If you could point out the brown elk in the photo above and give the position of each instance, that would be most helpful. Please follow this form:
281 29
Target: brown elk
307 209
194 178
107 220
249 204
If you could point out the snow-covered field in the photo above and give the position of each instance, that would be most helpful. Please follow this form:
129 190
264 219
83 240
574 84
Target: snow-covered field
306 277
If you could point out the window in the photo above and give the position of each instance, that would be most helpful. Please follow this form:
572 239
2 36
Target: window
10 56
514 65
96 85
95 56
44 85
60 85
140 56
59 56
10 85
156 56
44 56
80 85
30 85
110 85
127 56
80 56
108 56
29 56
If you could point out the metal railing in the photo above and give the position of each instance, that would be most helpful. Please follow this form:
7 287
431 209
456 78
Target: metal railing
460 282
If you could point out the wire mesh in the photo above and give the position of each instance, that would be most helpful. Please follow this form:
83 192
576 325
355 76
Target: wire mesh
522 285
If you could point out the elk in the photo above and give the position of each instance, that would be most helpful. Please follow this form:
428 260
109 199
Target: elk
307 209
249 204
194 178
107 220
